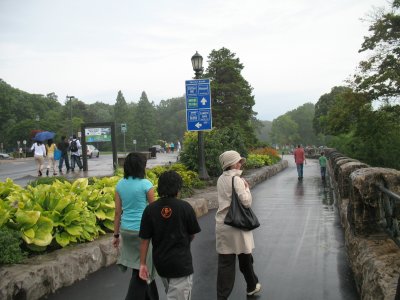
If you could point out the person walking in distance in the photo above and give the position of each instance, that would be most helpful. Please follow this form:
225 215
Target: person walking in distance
322 164
51 162
232 242
170 224
300 160
74 147
132 195
63 146
39 152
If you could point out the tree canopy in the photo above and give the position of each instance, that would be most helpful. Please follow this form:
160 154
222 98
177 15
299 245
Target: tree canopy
295 127
363 119
232 99
379 75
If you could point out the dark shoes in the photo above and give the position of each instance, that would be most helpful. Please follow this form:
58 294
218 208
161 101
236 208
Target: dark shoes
40 173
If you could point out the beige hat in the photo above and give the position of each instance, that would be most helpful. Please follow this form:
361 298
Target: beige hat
229 158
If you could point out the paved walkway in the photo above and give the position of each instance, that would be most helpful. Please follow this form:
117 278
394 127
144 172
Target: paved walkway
299 252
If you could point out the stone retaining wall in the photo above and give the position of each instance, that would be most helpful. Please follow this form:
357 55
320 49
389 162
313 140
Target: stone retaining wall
45 274
373 255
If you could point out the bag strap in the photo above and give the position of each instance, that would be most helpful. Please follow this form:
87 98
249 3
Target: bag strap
233 184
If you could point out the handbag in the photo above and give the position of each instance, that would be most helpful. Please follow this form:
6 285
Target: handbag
239 216
57 154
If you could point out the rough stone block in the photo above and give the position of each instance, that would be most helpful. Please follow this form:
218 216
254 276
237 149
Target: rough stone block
343 177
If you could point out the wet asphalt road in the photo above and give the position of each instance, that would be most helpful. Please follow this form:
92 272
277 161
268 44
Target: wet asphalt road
299 250
22 171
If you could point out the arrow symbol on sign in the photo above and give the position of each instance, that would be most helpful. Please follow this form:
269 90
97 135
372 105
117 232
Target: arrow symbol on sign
203 101
198 125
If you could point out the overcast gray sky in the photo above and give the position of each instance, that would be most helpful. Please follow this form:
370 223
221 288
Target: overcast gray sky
293 51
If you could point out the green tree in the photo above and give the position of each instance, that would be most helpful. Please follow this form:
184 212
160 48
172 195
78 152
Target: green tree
324 104
171 114
99 112
264 132
146 123
284 130
303 116
379 75
16 106
120 117
232 99
216 142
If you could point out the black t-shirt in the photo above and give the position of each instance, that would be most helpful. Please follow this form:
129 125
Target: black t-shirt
169 223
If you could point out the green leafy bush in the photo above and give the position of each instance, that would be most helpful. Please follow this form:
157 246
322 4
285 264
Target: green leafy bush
190 178
10 250
254 161
215 143
50 214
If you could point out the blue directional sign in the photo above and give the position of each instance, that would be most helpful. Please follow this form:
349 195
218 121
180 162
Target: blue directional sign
198 105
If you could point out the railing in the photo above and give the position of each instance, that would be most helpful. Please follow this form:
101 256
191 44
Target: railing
389 212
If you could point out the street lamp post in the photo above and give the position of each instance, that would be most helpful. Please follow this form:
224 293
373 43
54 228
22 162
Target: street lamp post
37 119
70 106
197 64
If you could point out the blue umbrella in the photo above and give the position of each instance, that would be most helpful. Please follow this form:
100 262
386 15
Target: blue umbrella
44 135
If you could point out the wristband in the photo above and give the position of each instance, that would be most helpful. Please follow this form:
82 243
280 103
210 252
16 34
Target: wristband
116 235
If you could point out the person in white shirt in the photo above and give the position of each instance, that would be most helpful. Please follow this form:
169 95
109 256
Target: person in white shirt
39 152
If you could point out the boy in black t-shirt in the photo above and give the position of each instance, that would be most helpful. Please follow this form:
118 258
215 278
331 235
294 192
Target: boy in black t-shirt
170 224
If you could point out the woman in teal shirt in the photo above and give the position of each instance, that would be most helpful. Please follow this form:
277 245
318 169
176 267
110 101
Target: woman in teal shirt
132 195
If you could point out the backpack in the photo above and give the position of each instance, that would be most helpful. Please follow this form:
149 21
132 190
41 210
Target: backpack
73 147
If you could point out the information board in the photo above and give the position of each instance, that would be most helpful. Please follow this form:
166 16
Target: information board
98 135
198 105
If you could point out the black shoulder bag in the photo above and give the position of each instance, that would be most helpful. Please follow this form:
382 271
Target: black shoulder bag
239 216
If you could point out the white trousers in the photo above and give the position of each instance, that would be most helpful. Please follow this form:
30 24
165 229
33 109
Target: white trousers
178 288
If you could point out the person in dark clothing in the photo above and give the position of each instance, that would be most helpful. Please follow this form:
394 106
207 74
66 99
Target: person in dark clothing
75 148
170 224
63 146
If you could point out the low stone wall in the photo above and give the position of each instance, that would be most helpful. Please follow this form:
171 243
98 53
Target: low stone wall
45 274
373 255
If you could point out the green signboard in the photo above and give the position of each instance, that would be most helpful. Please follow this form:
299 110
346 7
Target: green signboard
97 135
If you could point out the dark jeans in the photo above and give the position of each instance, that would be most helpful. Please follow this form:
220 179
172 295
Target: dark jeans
300 170
323 171
139 289
64 157
226 273
76 159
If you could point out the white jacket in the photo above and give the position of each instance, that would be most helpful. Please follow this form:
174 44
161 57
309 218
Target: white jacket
230 240
39 150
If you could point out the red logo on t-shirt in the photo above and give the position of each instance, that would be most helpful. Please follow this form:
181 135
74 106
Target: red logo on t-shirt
166 212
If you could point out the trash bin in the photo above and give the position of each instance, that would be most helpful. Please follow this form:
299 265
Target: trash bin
153 152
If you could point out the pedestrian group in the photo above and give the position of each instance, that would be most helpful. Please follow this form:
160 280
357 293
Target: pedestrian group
154 237
50 153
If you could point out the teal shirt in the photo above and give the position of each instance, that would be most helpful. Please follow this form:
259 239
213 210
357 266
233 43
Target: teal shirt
133 194
322 161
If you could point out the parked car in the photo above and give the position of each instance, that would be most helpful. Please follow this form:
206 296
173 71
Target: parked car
159 149
4 156
92 151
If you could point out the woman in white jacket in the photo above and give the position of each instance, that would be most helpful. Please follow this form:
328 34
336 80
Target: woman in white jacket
39 152
231 241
